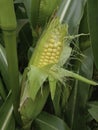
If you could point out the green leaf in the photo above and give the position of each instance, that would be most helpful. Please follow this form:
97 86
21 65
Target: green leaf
4 66
21 24
92 20
2 90
60 73
32 8
71 12
64 97
6 115
18 1
39 11
84 41
24 43
56 100
47 8
47 121
93 110
76 108
52 85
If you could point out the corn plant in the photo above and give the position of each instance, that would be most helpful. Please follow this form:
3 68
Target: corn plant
48 80
47 63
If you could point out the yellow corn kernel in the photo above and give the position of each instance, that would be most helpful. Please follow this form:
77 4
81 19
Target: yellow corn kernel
41 60
58 48
49 50
59 43
45 50
57 53
52 40
56 57
52 58
54 50
53 54
55 45
48 54
46 61
51 61
40 64
42 57
47 57
51 45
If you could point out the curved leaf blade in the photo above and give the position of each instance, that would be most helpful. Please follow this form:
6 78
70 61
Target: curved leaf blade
93 110
47 121
71 12
52 84
6 115
60 73
32 8
2 90
76 108
4 66
93 27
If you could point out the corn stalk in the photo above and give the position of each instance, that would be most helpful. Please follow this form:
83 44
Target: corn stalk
8 26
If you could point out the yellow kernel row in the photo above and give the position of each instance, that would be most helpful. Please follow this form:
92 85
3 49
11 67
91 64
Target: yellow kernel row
51 51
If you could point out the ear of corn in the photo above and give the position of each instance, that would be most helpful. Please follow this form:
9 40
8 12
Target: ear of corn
50 45
47 52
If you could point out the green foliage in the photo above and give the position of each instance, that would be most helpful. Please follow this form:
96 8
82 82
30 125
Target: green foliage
93 110
48 121
2 90
77 102
61 90
66 13
92 20
7 120
4 66
39 11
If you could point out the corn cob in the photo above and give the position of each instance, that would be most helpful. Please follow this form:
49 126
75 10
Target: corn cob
50 45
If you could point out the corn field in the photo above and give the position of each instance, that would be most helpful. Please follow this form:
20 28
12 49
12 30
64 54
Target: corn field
48 65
